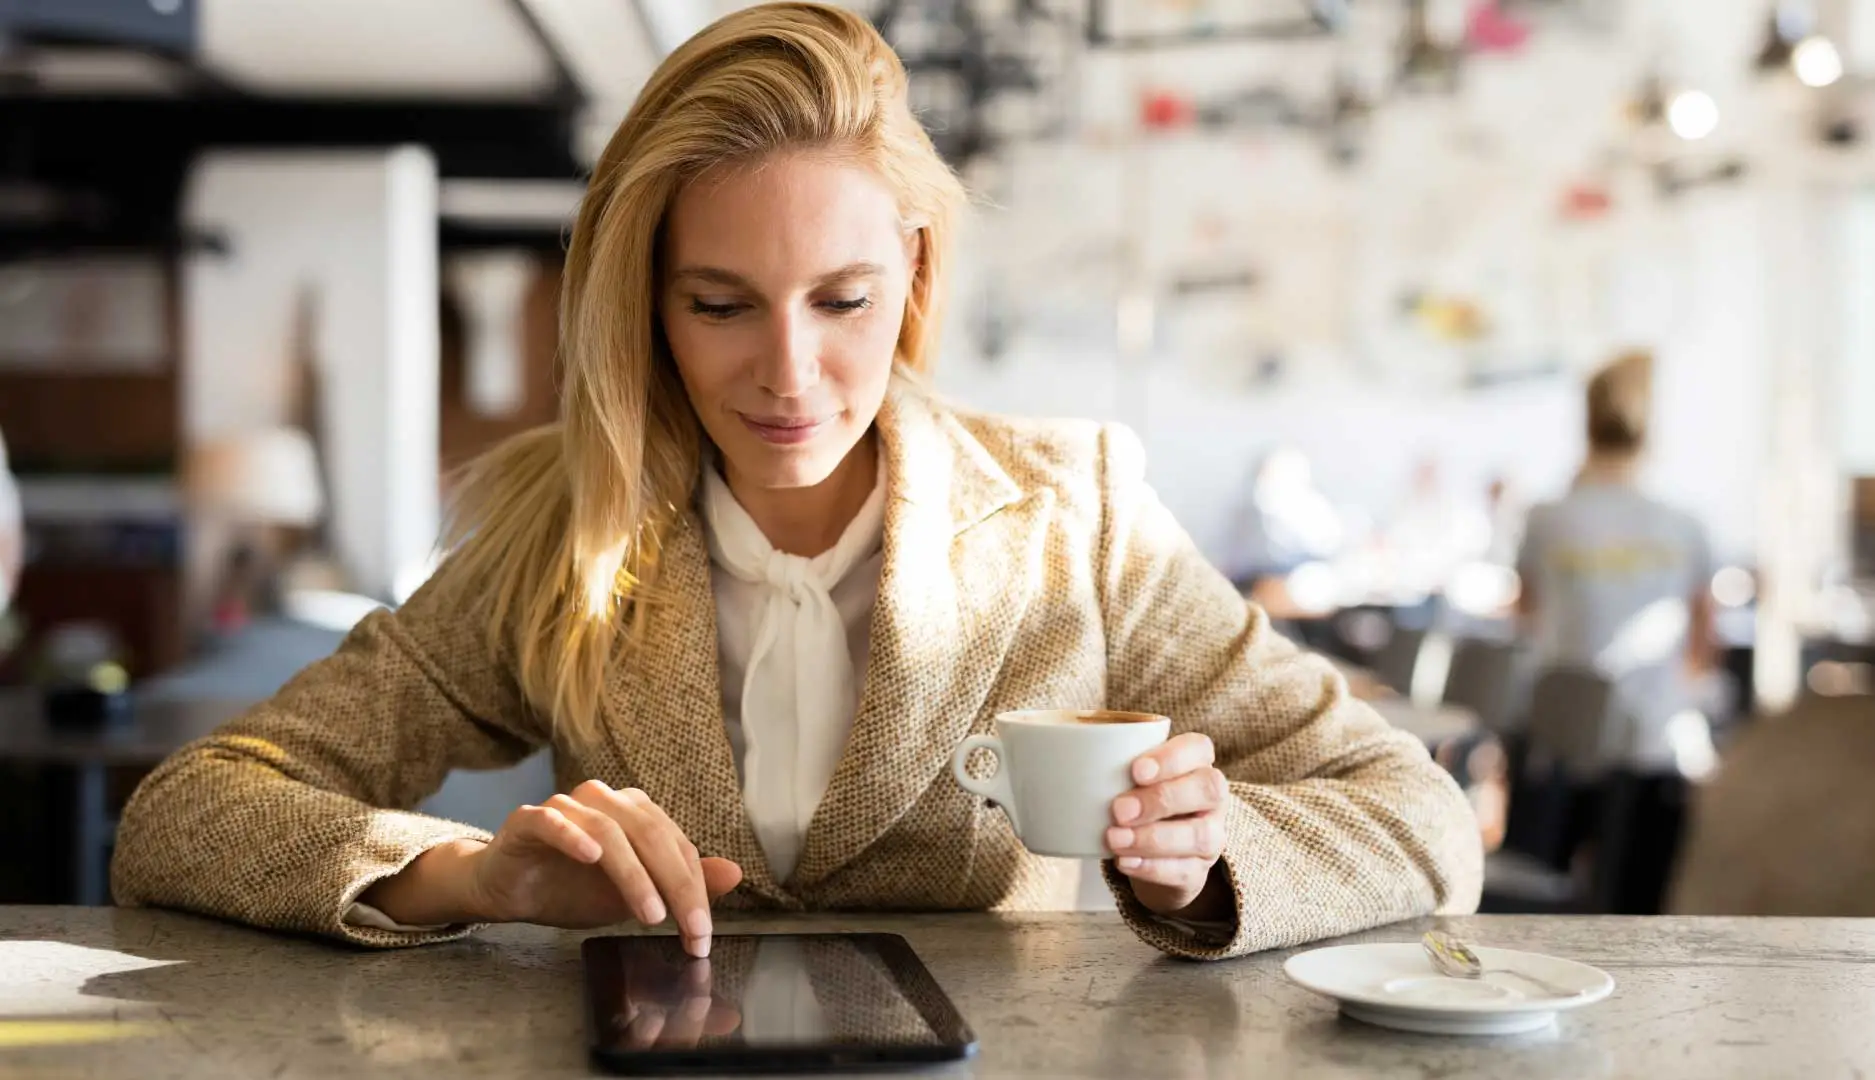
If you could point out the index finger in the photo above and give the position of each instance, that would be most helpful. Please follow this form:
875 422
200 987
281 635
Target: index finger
663 850
1174 757
677 870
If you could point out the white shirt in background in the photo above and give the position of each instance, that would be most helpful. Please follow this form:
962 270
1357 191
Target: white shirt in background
12 532
1612 572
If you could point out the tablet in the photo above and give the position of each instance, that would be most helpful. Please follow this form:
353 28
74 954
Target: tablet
766 1003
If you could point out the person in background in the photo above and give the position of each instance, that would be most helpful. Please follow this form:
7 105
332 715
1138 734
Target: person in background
1507 514
1618 582
12 540
1433 532
1285 522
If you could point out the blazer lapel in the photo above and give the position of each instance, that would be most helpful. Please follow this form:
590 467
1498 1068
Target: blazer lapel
958 535
668 700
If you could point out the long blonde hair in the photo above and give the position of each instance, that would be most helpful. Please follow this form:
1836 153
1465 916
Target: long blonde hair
557 531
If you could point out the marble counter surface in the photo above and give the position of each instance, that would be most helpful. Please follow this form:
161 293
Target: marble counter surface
102 992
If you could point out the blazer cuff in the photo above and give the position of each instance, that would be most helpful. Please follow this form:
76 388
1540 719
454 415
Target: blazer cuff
1188 938
352 921
1271 881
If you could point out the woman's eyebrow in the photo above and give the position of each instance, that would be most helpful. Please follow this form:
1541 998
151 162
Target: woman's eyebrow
716 275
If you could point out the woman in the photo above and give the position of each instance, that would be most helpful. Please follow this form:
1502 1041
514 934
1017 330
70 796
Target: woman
758 583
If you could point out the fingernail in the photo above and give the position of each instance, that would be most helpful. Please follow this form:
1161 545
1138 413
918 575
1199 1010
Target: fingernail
1127 862
1125 809
698 947
654 912
1145 770
697 923
1119 838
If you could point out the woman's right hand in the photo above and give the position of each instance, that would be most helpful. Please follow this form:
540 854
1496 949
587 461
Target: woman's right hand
595 858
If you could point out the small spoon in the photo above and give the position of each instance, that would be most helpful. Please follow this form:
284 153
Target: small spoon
1455 959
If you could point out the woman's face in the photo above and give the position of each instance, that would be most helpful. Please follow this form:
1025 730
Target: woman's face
783 291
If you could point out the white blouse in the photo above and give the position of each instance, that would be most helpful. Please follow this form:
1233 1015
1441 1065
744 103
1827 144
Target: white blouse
794 635
793 638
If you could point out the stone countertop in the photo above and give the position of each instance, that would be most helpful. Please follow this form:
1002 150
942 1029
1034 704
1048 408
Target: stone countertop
103 992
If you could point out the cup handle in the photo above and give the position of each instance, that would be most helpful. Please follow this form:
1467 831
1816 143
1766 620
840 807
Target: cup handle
995 787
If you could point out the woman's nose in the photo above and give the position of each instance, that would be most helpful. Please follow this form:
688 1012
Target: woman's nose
792 364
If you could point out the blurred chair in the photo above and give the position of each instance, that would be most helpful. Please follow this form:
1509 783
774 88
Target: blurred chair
1587 832
1480 678
1357 634
1787 825
1570 733
1554 764
1396 661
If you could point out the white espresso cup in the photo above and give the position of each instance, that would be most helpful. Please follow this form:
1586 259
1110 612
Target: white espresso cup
1058 772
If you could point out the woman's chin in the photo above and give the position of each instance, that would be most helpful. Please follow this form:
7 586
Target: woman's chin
778 468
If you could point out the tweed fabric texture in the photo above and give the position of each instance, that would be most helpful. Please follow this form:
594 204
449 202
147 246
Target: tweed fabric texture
1027 565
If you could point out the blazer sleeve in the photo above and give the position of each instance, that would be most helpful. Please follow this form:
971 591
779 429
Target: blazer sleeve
1337 822
282 817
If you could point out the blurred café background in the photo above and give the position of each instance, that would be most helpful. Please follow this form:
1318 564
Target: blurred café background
269 270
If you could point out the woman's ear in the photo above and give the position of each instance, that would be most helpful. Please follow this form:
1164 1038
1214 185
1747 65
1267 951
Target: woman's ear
914 250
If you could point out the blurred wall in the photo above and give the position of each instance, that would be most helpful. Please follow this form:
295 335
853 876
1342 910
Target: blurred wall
467 431
1469 195
1700 290
1857 357
357 230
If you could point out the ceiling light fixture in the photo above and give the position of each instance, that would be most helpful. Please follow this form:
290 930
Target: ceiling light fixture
1693 115
1816 61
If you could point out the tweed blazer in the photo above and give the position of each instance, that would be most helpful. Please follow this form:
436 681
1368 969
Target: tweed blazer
1027 564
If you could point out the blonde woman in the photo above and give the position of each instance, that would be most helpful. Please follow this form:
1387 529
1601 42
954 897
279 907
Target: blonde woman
757 584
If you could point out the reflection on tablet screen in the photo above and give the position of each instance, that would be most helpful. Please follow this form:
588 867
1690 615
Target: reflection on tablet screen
775 991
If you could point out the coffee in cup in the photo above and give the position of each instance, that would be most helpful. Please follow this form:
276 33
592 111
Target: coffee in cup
1058 772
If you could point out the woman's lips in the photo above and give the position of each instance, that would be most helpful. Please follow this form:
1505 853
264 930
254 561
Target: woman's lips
784 430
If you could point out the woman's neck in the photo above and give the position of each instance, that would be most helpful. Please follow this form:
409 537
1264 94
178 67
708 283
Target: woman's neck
808 521
1609 467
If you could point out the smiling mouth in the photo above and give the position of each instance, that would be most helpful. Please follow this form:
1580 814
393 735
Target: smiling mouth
785 430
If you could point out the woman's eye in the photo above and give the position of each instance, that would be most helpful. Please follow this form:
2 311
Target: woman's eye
858 303
713 311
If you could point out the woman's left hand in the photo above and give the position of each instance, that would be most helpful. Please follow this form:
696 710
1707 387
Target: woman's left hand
1169 831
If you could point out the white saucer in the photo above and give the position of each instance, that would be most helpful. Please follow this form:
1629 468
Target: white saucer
1396 986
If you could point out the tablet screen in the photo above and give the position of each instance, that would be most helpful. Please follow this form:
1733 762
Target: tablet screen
786 997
